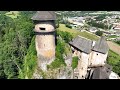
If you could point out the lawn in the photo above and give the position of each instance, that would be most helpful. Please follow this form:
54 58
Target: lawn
75 33
113 36
12 14
113 58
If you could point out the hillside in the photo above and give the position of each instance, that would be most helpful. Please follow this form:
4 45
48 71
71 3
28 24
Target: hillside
76 32
15 39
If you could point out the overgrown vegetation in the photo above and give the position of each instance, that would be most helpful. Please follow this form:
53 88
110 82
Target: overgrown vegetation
114 60
59 60
101 17
93 23
118 42
62 48
68 25
74 62
99 33
30 62
15 39
66 36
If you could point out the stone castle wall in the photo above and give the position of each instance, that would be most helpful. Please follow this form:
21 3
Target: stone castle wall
49 26
45 44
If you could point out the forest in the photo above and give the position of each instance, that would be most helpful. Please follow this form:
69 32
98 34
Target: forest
15 43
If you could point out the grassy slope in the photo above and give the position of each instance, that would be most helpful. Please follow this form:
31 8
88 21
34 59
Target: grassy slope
113 58
76 32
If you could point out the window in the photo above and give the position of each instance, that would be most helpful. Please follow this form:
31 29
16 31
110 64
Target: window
41 28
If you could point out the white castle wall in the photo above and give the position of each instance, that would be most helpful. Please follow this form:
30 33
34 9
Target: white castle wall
97 59
83 65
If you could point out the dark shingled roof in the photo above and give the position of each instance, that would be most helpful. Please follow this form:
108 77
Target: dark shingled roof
101 45
44 15
82 44
102 72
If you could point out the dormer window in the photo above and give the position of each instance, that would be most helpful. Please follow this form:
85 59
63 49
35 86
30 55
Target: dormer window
41 28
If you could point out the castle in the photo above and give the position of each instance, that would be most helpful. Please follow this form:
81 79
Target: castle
92 58
45 37
92 54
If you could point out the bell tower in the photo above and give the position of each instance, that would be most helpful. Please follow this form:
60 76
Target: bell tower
45 37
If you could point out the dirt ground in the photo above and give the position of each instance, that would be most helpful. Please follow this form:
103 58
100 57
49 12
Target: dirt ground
114 47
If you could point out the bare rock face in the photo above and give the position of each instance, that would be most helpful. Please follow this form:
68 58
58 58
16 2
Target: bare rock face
65 73
68 60
59 73
44 61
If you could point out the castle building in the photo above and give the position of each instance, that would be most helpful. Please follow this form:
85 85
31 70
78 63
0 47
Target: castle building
90 53
45 37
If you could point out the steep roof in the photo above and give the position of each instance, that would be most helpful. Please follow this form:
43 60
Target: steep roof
44 15
82 44
101 45
102 72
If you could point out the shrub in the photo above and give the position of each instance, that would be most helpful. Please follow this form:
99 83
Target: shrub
74 62
99 33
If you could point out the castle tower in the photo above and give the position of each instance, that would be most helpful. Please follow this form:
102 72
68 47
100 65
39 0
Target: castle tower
45 37
99 53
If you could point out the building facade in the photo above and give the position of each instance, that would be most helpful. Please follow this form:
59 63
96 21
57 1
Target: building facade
90 53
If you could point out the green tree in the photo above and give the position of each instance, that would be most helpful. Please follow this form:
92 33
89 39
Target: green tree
99 33
118 42
16 35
